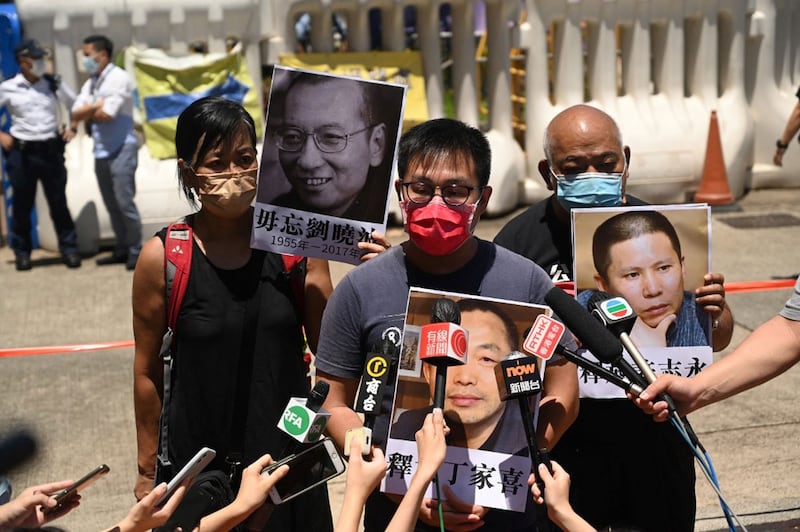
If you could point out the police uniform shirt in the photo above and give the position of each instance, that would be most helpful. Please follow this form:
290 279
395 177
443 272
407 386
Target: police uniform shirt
33 107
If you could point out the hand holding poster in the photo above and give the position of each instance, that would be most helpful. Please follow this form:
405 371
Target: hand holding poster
654 257
487 460
326 166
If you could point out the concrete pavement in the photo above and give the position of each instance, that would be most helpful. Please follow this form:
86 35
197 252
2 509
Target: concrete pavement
79 404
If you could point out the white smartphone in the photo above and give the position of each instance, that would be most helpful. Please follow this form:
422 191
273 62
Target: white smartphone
189 472
307 469
66 494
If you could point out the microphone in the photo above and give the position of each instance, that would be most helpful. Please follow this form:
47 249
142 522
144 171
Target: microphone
618 317
443 343
603 345
16 449
371 390
303 420
518 378
616 314
542 340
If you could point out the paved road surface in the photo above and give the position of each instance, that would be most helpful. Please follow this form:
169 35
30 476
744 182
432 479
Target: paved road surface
80 403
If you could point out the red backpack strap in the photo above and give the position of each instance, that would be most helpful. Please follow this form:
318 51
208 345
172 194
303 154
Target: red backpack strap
177 264
294 268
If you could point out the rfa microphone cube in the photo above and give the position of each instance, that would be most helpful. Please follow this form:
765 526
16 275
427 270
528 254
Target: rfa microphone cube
302 423
443 343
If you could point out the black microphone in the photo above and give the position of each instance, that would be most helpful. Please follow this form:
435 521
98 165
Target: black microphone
16 449
304 420
518 378
317 396
618 317
371 390
602 344
543 340
443 343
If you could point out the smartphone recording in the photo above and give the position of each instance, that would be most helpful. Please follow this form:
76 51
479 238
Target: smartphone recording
307 469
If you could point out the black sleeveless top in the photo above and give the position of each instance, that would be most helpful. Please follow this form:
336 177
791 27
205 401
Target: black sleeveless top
209 339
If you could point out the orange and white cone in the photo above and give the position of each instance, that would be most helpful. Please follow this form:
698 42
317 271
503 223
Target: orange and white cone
714 188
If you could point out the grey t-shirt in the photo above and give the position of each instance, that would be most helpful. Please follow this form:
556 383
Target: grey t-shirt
791 311
370 302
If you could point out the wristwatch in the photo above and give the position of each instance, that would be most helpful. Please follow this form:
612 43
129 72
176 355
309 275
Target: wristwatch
780 145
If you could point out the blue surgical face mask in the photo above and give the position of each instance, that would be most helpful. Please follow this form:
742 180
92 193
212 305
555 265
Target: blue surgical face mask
589 189
90 65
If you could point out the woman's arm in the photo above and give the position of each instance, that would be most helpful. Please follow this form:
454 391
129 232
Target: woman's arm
149 325
318 288
252 495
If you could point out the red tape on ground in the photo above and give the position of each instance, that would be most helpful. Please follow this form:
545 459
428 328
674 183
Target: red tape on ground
758 286
730 288
739 287
54 349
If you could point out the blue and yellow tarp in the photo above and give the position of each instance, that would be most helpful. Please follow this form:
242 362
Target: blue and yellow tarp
166 85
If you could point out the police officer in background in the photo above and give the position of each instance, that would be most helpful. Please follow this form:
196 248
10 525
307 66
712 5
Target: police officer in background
34 150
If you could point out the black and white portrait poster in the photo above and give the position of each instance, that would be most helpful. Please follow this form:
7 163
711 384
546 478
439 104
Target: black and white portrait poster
327 161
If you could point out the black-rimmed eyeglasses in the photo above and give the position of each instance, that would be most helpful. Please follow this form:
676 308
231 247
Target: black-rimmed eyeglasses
329 139
454 195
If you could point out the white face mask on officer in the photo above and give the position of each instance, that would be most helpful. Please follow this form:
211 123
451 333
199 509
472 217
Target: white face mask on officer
38 68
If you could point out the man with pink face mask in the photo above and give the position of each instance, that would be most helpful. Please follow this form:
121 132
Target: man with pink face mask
444 169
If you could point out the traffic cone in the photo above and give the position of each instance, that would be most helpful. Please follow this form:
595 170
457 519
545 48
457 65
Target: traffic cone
714 188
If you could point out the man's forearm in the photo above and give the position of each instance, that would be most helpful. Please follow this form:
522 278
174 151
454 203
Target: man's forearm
769 351
342 418
85 112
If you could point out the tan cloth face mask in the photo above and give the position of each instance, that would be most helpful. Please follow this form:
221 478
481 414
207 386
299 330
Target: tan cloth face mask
229 191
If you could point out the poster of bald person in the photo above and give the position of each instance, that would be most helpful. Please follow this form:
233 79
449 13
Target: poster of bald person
639 267
487 460
326 163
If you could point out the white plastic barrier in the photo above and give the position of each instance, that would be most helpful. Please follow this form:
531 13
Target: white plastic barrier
169 25
659 67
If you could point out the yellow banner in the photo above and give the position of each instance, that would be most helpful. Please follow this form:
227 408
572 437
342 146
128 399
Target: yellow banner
404 68
167 85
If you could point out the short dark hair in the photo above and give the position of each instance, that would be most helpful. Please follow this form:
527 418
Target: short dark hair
100 43
440 140
473 305
213 119
626 226
312 80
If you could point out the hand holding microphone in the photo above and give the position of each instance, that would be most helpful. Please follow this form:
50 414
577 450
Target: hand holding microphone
518 378
618 316
369 398
602 344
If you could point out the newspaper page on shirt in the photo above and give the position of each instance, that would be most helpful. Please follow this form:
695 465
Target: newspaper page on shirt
653 257
327 163
487 461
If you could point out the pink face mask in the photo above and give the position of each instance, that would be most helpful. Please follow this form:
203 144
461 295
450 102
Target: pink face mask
437 228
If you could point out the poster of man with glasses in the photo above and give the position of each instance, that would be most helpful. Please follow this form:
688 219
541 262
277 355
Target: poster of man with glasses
326 165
